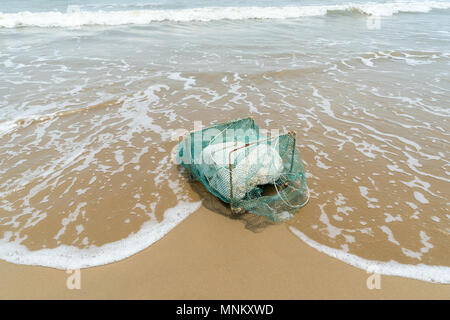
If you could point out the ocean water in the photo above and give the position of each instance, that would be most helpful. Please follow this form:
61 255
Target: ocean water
92 92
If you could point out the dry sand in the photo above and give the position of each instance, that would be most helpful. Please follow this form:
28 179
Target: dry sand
211 256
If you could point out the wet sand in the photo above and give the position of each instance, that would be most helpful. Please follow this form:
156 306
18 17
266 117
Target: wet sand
211 256
86 176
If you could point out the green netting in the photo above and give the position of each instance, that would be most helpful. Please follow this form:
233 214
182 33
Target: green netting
247 168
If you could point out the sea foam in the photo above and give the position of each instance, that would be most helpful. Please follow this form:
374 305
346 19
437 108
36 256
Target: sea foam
76 18
439 274
70 257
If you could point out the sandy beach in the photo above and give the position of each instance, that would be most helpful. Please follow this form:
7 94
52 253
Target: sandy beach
95 96
210 256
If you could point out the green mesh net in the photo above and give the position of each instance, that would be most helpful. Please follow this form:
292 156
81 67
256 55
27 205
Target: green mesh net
248 168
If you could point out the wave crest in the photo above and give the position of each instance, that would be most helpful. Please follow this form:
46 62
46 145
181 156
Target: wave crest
77 18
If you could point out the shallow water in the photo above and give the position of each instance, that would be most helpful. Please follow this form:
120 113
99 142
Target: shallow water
88 112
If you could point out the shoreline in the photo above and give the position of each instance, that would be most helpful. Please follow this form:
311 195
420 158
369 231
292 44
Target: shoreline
210 256
107 90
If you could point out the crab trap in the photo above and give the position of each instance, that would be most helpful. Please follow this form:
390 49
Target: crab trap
248 168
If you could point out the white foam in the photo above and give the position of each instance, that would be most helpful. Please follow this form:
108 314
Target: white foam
420 197
118 154
370 201
389 234
391 218
7 125
70 257
78 18
440 274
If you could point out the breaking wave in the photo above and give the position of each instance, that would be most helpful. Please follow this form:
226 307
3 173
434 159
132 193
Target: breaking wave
75 17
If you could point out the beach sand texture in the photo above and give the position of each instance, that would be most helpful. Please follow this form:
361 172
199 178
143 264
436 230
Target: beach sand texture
210 256
87 136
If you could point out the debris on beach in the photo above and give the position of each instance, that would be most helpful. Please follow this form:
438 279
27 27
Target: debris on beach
249 168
